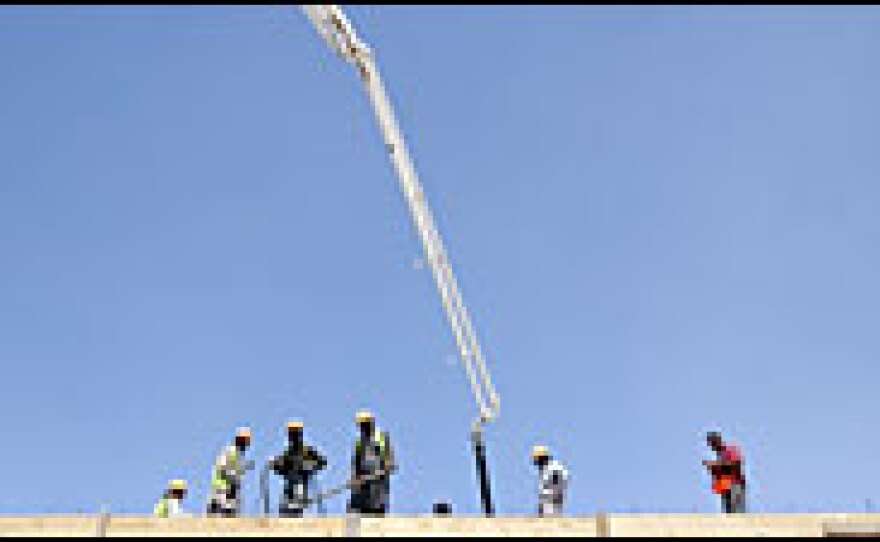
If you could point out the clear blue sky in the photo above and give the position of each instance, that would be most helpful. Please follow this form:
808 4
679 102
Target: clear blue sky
663 220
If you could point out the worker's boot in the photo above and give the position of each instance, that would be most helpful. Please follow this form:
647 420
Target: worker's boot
290 512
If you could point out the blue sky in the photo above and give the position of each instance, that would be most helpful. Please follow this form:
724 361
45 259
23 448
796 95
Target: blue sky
663 220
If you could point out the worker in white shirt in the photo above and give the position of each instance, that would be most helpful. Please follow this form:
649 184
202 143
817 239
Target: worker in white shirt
553 482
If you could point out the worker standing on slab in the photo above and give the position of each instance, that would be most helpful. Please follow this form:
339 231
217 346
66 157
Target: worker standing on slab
170 505
728 479
229 470
553 482
372 466
297 465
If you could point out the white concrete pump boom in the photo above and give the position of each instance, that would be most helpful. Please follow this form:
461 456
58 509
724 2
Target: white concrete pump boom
336 30
334 27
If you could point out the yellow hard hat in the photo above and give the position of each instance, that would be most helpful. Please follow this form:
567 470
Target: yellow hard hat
295 426
243 433
539 452
364 416
177 485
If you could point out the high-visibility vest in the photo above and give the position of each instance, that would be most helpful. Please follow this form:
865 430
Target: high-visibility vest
168 507
722 484
161 508
377 438
228 459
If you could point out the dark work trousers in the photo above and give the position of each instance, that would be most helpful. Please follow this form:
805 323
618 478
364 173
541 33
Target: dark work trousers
371 498
734 501
296 492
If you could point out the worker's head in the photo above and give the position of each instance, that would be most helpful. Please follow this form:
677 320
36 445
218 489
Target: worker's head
295 432
365 422
714 440
243 438
177 489
540 455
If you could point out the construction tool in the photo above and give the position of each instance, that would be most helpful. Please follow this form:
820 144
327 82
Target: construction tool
320 497
334 27
265 491
350 484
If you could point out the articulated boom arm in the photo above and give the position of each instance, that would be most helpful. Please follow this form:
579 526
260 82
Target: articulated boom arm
336 30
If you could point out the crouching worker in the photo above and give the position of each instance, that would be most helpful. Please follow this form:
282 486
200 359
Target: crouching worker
171 503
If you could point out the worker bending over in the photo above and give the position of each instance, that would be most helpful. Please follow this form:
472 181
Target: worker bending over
372 465
229 470
553 482
170 505
297 465
728 479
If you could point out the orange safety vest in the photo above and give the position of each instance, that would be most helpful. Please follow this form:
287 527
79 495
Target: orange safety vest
722 484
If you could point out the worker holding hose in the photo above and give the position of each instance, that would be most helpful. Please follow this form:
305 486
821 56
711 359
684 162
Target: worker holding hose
296 465
373 464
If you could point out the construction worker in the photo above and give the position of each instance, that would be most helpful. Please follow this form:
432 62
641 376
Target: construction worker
297 465
170 505
229 470
728 479
553 482
372 465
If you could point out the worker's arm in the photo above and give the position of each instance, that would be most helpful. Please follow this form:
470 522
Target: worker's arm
234 470
721 463
317 462
721 467
280 465
355 465
390 463
245 466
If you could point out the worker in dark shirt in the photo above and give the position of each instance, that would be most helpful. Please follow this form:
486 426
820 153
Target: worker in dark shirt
297 465
728 479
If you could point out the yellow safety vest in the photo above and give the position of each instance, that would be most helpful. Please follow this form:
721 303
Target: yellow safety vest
220 481
161 509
